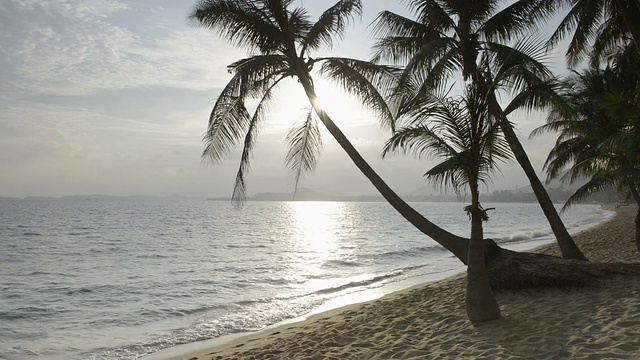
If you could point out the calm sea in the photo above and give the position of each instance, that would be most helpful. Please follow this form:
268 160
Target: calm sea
119 278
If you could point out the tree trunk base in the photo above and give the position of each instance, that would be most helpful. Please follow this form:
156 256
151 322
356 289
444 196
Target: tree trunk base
511 270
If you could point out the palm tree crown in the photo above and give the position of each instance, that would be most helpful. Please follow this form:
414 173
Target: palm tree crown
599 131
596 27
458 130
281 39
450 37
597 134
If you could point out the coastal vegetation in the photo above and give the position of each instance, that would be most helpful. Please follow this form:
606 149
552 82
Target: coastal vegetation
484 47
471 38
606 100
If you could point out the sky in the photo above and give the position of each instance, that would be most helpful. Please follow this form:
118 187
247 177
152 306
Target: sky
113 97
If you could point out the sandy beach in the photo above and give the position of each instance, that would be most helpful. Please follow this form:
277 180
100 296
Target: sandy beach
429 322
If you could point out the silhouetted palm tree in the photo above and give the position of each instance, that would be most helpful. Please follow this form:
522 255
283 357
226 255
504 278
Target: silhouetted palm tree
597 26
450 36
461 132
599 135
282 37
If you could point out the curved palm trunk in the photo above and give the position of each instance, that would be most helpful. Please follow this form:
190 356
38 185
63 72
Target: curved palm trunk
455 244
568 247
480 303
636 197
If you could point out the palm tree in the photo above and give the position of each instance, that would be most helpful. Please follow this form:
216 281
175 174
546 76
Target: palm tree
463 134
599 135
597 25
282 38
449 36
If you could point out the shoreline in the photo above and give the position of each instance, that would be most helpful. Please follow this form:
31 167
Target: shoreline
309 337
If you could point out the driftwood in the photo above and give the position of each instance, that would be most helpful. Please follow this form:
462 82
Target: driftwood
511 270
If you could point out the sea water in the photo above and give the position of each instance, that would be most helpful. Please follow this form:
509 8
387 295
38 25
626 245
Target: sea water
118 278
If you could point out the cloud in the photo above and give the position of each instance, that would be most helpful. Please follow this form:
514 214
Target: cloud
74 47
113 96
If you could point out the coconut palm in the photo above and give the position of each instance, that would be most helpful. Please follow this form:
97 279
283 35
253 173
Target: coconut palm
282 39
449 37
597 26
599 135
461 132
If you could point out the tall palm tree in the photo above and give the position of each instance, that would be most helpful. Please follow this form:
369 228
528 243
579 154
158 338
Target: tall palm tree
599 136
462 133
282 38
597 26
449 37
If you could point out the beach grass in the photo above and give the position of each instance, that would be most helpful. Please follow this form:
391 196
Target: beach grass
428 321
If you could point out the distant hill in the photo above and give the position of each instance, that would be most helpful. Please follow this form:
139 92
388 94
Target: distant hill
306 194
421 191
102 197
519 195
40 198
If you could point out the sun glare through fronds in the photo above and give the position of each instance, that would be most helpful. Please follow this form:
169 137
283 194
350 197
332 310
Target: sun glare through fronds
331 99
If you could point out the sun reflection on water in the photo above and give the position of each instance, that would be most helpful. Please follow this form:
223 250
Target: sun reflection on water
322 236
316 223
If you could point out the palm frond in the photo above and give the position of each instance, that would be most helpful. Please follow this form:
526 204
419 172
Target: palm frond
304 146
418 140
582 20
443 67
597 183
609 36
228 122
389 24
259 72
437 14
299 24
452 173
332 23
229 119
567 24
240 22
584 33
458 132
425 72
516 67
536 97
596 136
554 124
399 37
519 17
366 81
240 186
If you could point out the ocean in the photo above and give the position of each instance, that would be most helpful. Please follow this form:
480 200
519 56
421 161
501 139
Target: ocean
120 278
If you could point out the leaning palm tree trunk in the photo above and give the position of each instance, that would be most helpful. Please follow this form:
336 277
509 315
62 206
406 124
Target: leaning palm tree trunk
568 247
457 245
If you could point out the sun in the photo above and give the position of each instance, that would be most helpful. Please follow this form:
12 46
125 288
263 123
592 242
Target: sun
293 104
331 98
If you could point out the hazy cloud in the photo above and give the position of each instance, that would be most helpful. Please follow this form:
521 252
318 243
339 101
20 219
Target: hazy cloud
113 96
71 47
